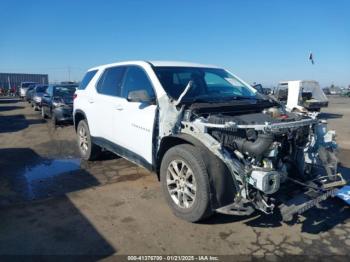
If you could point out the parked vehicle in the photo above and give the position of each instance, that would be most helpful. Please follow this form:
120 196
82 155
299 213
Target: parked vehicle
23 89
38 93
301 94
261 89
215 143
57 103
29 93
346 92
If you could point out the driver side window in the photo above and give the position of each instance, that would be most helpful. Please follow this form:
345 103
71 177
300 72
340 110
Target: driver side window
136 79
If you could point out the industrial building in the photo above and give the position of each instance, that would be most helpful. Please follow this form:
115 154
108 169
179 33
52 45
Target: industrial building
15 79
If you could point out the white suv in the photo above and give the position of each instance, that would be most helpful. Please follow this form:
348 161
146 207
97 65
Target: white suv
214 142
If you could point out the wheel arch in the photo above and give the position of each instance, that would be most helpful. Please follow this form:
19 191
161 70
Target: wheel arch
78 116
222 186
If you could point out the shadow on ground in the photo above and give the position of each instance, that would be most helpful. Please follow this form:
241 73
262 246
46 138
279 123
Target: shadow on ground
7 100
14 123
52 227
334 212
49 227
9 108
330 115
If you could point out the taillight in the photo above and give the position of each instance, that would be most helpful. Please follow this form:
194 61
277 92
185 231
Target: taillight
75 96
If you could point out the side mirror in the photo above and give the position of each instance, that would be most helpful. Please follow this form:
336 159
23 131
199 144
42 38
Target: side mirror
139 96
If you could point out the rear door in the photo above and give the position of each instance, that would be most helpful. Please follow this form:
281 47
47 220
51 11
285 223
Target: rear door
103 104
134 121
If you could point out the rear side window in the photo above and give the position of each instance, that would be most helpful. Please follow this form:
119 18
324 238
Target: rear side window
110 81
86 80
136 79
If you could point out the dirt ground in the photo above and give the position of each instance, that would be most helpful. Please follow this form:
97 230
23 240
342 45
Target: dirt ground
53 203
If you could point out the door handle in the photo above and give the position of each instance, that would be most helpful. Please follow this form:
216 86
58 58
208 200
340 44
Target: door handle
119 107
91 100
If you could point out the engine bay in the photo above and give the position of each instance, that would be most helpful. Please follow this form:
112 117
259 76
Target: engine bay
271 153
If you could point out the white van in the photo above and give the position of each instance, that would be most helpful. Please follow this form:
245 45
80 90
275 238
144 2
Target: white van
24 87
304 93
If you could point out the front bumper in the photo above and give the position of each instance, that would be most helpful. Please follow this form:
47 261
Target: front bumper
303 202
291 202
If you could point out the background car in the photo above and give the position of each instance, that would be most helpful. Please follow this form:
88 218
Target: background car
29 93
24 88
57 103
37 94
261 89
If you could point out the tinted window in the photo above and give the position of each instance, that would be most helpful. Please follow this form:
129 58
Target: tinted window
136 79
63 91
40 89
86 80
110 81
26 85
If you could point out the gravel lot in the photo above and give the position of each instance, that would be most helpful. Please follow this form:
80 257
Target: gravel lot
113 207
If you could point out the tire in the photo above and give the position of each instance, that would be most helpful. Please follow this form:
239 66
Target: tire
187 158
43 115
54 121
88 150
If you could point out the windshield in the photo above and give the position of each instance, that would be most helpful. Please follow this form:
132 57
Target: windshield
207 84
26 85
65 90
40 89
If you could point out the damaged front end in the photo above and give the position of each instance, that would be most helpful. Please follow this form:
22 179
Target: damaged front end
277 159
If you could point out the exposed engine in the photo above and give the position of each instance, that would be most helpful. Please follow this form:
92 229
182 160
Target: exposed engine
265 152
270 149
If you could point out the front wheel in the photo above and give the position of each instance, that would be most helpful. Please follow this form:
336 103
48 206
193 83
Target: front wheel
185 183
88 150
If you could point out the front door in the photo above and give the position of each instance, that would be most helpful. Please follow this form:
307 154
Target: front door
134 121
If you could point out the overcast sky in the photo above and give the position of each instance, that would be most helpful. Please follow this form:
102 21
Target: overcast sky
262 41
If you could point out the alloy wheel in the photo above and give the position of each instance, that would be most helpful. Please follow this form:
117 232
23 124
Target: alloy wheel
83 139
181 184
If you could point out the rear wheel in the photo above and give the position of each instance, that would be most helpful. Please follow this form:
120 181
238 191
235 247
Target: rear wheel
185 183
88 150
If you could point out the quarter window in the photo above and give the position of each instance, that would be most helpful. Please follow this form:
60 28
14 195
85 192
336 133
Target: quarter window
86 80
136 79
110 81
